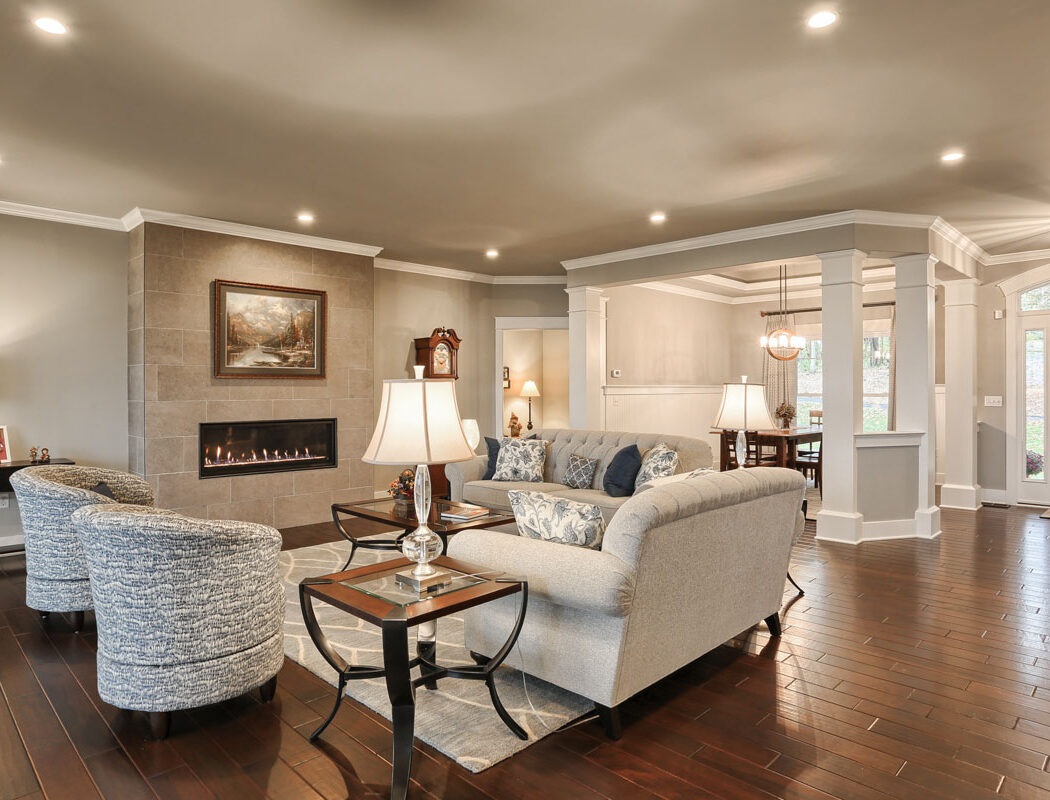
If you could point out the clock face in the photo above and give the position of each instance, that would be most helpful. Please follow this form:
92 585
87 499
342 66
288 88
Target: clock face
441 361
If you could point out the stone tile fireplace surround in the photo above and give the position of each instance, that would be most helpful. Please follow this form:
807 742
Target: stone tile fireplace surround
171 389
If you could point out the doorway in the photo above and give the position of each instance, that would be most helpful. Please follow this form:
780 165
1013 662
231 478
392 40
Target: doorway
532 373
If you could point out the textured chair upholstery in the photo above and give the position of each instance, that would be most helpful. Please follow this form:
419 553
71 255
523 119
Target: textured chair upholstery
56 573
189 611
465 482
683 567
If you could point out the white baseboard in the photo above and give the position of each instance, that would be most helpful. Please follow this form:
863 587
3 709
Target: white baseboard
993 495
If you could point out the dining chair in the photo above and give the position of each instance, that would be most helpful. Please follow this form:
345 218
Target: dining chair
812 461
757 455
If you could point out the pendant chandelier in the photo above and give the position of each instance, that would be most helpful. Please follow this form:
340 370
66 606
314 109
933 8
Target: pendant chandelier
783 343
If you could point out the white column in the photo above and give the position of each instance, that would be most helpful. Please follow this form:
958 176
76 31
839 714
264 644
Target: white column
585 358
915 377
960 489
841 332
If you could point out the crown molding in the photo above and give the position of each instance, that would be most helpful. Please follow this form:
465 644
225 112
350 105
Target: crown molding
137 216
854 217
1013 258
57 215
465 275
796 294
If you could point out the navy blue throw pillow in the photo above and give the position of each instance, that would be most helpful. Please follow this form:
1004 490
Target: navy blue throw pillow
493 446
623 469
103 489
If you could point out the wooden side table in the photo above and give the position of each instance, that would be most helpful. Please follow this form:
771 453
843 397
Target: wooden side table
372 594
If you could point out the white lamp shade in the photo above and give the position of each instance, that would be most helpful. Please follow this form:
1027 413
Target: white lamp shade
744 408
530 390
418 424
470 427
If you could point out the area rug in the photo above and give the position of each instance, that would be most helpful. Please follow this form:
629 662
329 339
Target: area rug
457 718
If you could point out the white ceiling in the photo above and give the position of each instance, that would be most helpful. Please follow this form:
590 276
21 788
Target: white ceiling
546 129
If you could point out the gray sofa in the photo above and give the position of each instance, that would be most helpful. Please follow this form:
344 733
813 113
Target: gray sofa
465 482
684 567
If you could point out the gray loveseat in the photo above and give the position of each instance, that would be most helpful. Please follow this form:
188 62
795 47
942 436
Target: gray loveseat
683 567
465 482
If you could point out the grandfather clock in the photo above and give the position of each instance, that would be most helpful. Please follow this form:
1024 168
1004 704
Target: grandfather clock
438 354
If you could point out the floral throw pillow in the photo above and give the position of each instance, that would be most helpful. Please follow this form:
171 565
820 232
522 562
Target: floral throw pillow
659 462
557 519
580 472
520 460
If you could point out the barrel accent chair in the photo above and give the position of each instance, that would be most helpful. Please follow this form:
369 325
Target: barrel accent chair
189 611
56 573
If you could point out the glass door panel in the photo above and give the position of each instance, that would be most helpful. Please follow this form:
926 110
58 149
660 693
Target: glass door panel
1034 487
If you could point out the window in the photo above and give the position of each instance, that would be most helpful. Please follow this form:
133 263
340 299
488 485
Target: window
1037 299
1034 403
875 356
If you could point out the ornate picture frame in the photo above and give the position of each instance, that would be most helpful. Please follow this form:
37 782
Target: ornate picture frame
262 331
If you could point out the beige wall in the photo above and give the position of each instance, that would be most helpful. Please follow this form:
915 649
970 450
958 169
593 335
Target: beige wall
555 385
662 339
408 306
63 345
172 389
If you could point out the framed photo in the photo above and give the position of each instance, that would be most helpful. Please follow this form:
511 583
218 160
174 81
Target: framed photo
5 446
506 377
262 331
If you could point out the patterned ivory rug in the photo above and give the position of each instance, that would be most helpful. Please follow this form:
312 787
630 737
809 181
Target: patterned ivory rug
457 718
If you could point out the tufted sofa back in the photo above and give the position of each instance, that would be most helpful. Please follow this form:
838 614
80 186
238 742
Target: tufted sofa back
603 445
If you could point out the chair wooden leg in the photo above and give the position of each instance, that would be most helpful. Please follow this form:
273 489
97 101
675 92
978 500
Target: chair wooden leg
610 719
159 724
773 621
801 591
268 689
45 616
78 621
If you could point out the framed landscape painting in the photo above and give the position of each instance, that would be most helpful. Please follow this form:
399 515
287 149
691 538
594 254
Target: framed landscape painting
264 331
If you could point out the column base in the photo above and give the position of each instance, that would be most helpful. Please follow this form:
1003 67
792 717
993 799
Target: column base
928 523
840 526
955 495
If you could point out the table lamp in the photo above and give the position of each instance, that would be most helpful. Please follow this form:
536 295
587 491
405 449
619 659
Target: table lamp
419 424
470 427
530 391
743 408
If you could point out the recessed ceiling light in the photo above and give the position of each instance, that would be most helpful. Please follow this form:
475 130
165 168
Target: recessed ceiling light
305 216
822 19
492 252
50 25
657 217
952 156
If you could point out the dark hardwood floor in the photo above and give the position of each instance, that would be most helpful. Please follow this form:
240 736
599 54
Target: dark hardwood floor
909 670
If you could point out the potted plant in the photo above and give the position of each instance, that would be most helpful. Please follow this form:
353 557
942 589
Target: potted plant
785 413
402 490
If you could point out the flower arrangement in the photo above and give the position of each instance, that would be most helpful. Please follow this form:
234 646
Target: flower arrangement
404 486
785 413
1034 463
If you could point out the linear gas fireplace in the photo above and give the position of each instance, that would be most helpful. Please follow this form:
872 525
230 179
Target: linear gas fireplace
248 448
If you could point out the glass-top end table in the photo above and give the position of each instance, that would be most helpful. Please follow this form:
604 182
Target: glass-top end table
384 511
386 586
372 593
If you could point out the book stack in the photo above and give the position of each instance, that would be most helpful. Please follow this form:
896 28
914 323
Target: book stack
464 512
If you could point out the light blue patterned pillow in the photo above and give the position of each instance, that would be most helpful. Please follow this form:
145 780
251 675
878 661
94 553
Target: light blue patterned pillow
668 479
659 462
557 519
520 460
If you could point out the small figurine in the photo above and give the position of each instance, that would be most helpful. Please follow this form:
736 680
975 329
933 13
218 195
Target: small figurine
32 454
515 426
45 457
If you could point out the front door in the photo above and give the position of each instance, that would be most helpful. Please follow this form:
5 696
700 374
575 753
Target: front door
1033 372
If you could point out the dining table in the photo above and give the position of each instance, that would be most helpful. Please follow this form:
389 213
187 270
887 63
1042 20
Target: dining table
785 440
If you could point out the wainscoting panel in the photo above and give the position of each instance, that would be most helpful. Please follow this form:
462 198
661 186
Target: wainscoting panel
678 410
